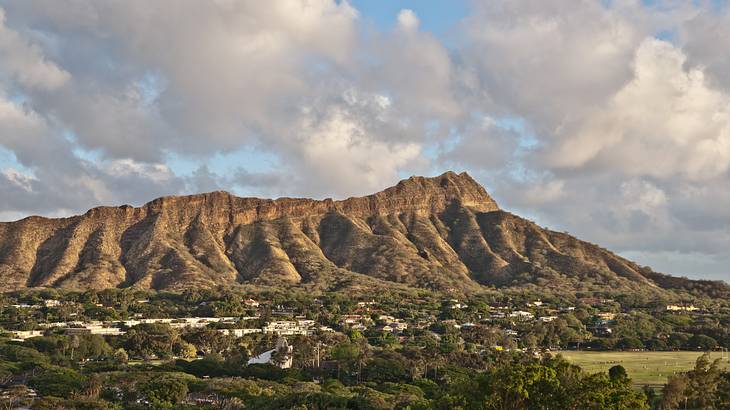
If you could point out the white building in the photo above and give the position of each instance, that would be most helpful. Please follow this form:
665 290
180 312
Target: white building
283 358
290 328
522 315
25 334
239 332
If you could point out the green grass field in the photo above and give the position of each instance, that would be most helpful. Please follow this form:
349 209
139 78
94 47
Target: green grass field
651 368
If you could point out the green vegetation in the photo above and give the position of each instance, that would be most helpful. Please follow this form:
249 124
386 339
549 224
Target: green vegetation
394 349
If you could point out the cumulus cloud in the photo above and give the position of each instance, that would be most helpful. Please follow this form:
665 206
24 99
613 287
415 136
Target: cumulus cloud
666 121
23 62
607 119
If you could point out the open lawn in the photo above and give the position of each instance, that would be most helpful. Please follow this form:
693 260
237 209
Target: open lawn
651 368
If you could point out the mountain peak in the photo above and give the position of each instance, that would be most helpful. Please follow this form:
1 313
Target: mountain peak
446 188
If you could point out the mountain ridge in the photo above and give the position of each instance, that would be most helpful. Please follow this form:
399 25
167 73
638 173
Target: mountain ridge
443 232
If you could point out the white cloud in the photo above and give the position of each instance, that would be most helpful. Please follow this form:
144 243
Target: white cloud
623 139
25 63
408 20
667 121
345 159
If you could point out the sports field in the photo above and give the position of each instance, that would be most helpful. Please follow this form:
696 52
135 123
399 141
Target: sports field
651 368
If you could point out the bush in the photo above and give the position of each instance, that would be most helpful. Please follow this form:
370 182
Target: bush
57 381
165 390
701 342
630 343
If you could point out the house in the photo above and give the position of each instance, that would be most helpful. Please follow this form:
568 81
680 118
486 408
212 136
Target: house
522 315
239 332
52 303
359 326
288 327
20 335
548 319
251 303
398 326
282 355
352 319
682 308
94 330
606 316
602 331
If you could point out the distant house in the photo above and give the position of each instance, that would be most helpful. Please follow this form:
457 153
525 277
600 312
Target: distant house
606 316
602 331
398 327
522 315
251 303
282 355
289 328
239 332
19 335
682 308
94 330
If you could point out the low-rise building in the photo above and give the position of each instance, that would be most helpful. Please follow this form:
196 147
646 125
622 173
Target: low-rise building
606 316
239 332
251 303
682 308
18 335
282 355
290 327
522 315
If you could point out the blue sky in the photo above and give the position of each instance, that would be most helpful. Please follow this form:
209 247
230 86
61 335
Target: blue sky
438 17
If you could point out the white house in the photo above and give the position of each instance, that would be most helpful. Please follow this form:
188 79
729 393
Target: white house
284 355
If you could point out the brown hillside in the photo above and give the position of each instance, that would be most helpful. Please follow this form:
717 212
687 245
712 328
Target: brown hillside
442 232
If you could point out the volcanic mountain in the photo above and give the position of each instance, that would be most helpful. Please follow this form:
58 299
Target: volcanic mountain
442 233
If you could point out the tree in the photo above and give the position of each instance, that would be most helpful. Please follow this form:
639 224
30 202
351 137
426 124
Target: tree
150 339
618 373
120 356
673 393
57 381
15 397
209 340
704 381
92 346
701 342
345 354
74 343
630 343
186 350
598 391
165 390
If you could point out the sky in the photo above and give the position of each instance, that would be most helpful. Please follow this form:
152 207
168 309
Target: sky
607 119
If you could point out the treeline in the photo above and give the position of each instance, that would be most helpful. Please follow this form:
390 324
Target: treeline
89 371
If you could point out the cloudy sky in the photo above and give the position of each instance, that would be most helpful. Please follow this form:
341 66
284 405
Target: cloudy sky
609 119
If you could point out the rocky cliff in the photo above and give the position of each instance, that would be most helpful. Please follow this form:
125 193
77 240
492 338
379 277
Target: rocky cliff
444 232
